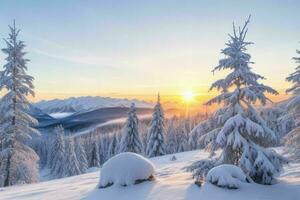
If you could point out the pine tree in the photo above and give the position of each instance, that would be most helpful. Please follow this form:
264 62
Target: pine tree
156 142
113 147
71 165
81 156
171 137
292 139
18 162
130 141
241 132
57 153
103 148
95 157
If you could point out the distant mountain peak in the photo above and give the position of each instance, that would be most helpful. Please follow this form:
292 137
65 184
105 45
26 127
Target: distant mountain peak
86 103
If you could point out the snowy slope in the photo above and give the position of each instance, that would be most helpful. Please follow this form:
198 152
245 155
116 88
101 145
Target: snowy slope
172 183
79 104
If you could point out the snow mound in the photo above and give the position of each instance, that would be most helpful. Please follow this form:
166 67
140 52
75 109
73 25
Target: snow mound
126 169
227 176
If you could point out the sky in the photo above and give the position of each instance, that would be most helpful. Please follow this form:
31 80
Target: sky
136 49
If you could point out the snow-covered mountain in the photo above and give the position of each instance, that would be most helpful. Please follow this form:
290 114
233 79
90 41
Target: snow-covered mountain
80 104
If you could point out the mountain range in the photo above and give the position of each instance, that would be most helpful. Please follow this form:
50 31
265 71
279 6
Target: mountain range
87 103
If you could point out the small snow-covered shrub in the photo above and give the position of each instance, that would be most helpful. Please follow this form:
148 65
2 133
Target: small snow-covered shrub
227 176
201 168
173 158
126 169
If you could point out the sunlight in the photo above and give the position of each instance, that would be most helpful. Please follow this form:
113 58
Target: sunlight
188 96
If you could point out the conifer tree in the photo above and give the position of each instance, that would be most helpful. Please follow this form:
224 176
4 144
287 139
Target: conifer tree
292 139
113 147
81 156
57 153
156 141
95 157
71 165
241 132
18 162
130 141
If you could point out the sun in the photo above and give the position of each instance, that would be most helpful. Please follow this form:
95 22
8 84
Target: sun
188 96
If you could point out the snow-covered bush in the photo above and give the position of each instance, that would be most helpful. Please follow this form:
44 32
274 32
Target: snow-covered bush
201 168
239 130
227 176
126 169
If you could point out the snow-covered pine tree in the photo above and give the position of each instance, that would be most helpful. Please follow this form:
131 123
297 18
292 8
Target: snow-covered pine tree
130 141
240 130
57 153
156 141
94 155
292 139
113 147
103 147
81 156
171 141
18 162
71 164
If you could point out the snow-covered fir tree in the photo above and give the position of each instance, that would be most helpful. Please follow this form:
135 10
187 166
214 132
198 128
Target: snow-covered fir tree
171 140
94 155
71 164
156 141
130 141
292 139
57 153
18 162
104 141
240 130
81 156
113 146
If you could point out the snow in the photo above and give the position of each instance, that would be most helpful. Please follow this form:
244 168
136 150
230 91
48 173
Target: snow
60 115
79 104
125 169
229 176
172 182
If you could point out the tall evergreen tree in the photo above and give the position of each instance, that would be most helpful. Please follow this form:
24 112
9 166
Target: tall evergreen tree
113 147
57 153
71 165
241 132
130 141
156 142
94 155
171 138
292 139
81 156
18 162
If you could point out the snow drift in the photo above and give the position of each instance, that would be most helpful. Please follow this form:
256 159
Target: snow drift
126 169
227 176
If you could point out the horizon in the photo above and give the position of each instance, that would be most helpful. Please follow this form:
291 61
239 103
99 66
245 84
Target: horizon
138 43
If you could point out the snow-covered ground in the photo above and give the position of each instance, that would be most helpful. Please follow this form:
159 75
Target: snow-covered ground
60 115
172 183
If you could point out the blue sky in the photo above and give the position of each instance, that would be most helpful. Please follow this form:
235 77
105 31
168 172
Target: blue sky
137 48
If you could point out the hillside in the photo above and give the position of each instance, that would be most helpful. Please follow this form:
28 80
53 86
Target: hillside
172 182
